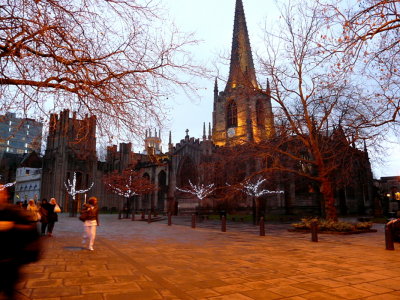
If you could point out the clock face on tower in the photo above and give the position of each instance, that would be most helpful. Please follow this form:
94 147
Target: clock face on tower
231 132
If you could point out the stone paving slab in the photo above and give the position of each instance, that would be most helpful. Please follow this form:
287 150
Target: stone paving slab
140 260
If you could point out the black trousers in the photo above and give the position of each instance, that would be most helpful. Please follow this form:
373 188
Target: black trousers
43 228
50 227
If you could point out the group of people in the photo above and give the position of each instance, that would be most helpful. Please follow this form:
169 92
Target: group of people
20 238
46 213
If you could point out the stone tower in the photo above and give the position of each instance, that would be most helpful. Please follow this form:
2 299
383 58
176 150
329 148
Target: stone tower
71 148
242 112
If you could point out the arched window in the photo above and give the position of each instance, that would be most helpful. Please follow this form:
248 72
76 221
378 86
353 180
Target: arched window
260 113
232 114
187 171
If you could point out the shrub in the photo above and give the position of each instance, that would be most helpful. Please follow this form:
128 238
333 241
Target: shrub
329 225
364 225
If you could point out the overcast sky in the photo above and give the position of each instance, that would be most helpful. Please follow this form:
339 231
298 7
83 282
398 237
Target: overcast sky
212 22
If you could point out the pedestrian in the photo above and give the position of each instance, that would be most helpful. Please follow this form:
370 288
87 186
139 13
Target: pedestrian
20 244
33 209
44 213
90 214
52 216
20 204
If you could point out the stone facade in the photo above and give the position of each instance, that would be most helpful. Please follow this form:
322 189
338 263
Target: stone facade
242 115
71 147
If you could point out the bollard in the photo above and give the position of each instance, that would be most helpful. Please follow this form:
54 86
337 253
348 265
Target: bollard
223 224
389 236
314 231
262 226
119 216
142 217
149 218
193 221
169 219
133 216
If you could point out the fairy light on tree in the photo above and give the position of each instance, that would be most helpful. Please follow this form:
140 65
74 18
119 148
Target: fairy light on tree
201 191
127 184
4 186
71 190
255 190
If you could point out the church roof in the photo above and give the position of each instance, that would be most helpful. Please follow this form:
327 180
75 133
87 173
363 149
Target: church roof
242 71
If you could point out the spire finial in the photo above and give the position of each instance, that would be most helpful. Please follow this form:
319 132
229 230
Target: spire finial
242 71
268 90
170 147
209 130
204 131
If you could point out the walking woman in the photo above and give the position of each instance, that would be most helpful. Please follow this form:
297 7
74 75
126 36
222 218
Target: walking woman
91 211
44 213
52 216
34 210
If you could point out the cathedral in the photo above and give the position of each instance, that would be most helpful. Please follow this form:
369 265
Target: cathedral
242 113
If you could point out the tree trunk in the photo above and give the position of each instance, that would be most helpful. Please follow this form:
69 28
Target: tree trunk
329 199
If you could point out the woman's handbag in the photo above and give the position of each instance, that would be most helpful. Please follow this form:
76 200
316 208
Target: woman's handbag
57 209
85 214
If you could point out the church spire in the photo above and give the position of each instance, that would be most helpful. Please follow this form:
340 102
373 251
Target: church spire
242 71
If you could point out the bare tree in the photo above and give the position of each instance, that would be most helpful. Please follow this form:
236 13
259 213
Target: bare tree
116 59
127 184
201 191
368 36
322 113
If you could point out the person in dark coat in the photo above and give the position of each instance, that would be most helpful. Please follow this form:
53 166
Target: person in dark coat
44 212
20 244
52 216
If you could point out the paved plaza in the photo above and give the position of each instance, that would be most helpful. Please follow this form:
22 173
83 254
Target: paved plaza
140 260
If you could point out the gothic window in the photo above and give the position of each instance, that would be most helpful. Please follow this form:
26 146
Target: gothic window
232 114
187 172
260 114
